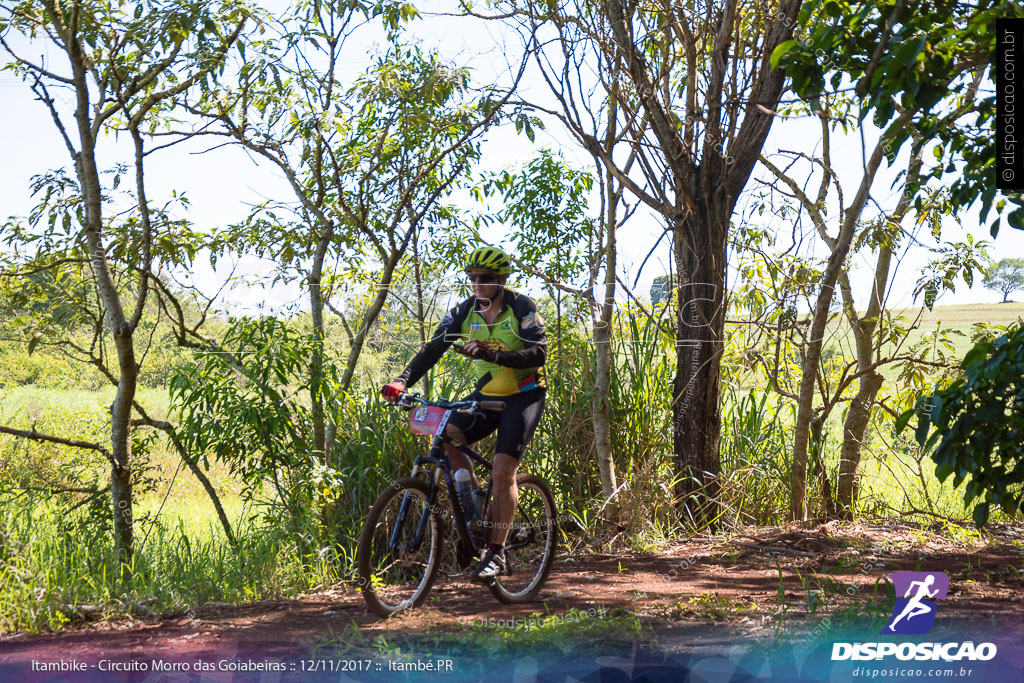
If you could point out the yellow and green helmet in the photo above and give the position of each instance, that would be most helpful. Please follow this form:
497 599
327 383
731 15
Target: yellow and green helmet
489 258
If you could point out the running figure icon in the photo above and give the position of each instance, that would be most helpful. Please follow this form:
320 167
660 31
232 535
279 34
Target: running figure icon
915 607
918 590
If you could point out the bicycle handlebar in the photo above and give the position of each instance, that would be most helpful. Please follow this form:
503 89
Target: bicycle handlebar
406 399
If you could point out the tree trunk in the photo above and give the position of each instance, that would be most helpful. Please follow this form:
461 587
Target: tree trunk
816 446
839 247
805 401
368 319
421 316
558 329
121 449
695 177
601 414
120 409
869 384
600 404
853 439
316 361
700 257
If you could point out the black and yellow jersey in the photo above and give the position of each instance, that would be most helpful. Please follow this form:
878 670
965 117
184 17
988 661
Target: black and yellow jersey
517 335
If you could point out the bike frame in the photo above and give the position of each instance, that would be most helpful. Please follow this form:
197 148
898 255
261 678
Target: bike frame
442 466
438 457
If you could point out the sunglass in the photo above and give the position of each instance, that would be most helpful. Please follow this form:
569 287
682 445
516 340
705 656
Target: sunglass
482 278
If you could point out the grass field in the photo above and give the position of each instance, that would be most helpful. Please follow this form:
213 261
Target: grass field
950 329
79 413
965 315
963 319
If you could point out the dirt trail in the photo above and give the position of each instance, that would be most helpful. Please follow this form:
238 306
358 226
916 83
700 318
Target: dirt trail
697 595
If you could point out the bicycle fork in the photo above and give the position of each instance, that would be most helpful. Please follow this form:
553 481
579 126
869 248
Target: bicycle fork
441 467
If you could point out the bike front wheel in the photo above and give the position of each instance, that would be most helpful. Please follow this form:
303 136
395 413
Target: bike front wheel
399 548
531 543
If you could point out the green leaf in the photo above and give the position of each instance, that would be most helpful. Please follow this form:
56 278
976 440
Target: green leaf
923 425
902 420
1009 503
780 50
981 514
974 355
943 471
1016 219
936 412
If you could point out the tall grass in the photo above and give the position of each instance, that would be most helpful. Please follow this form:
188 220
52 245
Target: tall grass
756 433
641 400
54 571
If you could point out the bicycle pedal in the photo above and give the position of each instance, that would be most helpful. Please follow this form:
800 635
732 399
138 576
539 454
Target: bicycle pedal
477 581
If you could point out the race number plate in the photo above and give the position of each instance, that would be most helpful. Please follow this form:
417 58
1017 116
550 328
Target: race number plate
426 419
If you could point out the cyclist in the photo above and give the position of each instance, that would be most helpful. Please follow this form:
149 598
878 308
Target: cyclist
507 341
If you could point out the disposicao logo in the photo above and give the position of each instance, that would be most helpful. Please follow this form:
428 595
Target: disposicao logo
914 614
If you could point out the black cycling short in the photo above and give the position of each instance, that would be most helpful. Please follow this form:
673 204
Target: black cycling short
515 424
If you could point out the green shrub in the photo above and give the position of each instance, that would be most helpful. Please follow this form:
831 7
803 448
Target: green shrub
979 425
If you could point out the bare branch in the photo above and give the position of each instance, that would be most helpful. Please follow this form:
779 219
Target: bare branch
34 435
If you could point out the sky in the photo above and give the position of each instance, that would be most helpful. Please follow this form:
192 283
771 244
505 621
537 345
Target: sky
223 183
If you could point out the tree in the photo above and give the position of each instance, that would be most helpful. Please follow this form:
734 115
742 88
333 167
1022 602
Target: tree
1007 277
921 77
692 91
124 64
369 163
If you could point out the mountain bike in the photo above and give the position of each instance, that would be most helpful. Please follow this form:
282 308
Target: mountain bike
401 543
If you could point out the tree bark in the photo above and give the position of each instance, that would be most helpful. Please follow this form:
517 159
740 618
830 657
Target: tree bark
805 399
601 413
316 361
421 316
700 259
600 404
853 439
816 446
368 319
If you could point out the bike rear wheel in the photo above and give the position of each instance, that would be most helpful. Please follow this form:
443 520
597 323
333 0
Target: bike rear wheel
395 574
531 543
